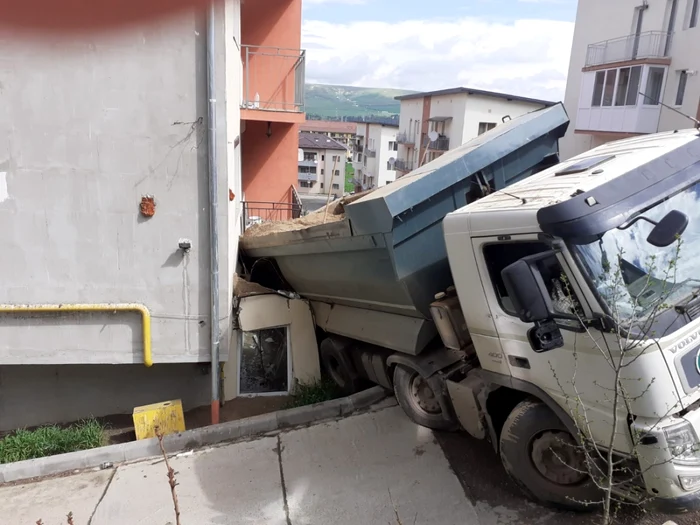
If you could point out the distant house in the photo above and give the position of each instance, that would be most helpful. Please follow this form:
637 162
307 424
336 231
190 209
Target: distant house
375 154
321 165
452 117
343 132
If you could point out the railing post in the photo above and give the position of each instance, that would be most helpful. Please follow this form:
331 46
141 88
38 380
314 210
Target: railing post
247 76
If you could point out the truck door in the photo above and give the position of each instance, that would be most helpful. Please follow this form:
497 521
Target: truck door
572 375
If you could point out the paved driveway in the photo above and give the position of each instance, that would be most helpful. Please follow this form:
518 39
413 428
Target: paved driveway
373 468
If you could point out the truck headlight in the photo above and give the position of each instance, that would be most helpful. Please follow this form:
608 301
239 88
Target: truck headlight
683 444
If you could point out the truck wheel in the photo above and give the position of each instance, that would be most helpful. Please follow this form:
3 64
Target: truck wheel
338 366
542 457
418 400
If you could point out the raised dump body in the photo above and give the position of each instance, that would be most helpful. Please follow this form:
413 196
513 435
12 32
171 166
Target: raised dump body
373 275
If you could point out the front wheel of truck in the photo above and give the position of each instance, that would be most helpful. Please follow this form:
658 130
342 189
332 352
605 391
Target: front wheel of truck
418 400
543 458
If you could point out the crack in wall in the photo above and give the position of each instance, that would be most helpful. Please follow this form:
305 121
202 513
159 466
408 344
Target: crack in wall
279 450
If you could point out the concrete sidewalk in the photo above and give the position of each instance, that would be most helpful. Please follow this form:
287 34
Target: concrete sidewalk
358 470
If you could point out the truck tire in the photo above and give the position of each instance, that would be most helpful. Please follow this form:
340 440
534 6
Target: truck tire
418 400
533 443
338 366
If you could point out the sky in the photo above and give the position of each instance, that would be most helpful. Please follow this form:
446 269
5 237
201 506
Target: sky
513 46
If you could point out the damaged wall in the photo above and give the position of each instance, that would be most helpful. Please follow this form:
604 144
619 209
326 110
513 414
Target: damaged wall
269 311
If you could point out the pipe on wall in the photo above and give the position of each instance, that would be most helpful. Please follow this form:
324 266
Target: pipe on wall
213 212
96 307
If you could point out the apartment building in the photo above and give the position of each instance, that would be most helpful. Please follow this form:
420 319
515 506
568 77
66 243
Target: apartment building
343 132
375 154
433 122
118 290
321 165
626 65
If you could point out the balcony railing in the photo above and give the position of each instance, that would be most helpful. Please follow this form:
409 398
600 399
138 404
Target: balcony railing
273 78
650 44
403 165
257 212
440 144
403 138
308 176
371 153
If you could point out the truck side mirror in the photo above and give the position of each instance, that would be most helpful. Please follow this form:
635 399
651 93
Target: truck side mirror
667 230
529 296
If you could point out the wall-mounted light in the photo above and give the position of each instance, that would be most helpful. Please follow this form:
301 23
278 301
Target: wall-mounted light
269 130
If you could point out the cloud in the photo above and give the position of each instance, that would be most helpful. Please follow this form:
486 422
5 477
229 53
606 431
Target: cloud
525 57
319 2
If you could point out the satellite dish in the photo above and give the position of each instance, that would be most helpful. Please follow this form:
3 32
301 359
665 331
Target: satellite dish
433 136
392 161
300 154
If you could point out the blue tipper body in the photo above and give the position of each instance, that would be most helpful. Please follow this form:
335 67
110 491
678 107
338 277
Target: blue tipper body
388 254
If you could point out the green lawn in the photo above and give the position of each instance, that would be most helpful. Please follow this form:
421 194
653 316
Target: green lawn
349 174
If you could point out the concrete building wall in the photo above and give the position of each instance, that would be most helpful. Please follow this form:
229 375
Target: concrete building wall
324 171
410 114
451 106
480 108
385 151
620 21
88 128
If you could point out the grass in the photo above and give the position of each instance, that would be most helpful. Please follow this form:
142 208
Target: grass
309 393
51 440
349 174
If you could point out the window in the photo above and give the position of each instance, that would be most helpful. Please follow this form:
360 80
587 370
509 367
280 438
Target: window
264 361
633 91
598 88
359 157
623 81
336 158
337 173
323 157
306 184
654 84
682 81
336 187
485 126
322 171
307 169
322 185
693 22
609 88
393 146
309 156
498 256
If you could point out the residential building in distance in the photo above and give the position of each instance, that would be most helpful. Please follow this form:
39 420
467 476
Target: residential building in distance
376 151
321 165
106 206
624 64
343 132
454 116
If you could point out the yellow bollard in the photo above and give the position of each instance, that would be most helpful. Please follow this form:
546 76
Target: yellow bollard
167 416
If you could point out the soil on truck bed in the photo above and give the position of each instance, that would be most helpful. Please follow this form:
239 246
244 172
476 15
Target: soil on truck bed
336 212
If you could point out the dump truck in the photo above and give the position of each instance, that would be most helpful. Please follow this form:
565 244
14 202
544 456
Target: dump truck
494 289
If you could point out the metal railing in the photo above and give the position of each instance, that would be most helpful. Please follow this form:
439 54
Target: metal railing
440 144
403 138
650 44
305 175
273 78
255 212
403 165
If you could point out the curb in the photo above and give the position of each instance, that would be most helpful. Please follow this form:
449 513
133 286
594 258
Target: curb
190 439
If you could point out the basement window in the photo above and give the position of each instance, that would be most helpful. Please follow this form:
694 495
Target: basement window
264 362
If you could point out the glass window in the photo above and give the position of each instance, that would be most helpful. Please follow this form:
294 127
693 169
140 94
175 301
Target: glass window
693 14
654 84
609 87
623 81
682 81
598 88
633 91
264 361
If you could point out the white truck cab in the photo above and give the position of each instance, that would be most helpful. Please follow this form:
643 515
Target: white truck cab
577 278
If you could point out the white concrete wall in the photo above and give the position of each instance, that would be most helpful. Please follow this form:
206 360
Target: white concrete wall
268 311
384 135
324 161
480 108
619 21
451 106
411 112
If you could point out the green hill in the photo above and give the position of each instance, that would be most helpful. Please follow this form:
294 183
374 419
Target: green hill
325 101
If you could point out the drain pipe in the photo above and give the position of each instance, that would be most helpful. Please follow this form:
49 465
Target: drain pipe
213 212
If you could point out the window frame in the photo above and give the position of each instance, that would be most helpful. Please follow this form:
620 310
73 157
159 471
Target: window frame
239 356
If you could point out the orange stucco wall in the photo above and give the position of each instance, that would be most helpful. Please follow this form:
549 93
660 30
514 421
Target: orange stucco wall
270 165
271 72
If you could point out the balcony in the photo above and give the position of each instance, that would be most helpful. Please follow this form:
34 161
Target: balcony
440 144
273 82
307 163
644 46
371 153
257 212
307 176
403 138
403 165
611 100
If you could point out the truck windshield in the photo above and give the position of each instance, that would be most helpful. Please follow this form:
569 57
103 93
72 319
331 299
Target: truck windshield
636 279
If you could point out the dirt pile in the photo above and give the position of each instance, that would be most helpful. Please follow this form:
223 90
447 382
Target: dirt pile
336 212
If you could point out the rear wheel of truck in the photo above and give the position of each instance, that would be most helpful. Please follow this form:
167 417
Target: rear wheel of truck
418 400
543 458
338 366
